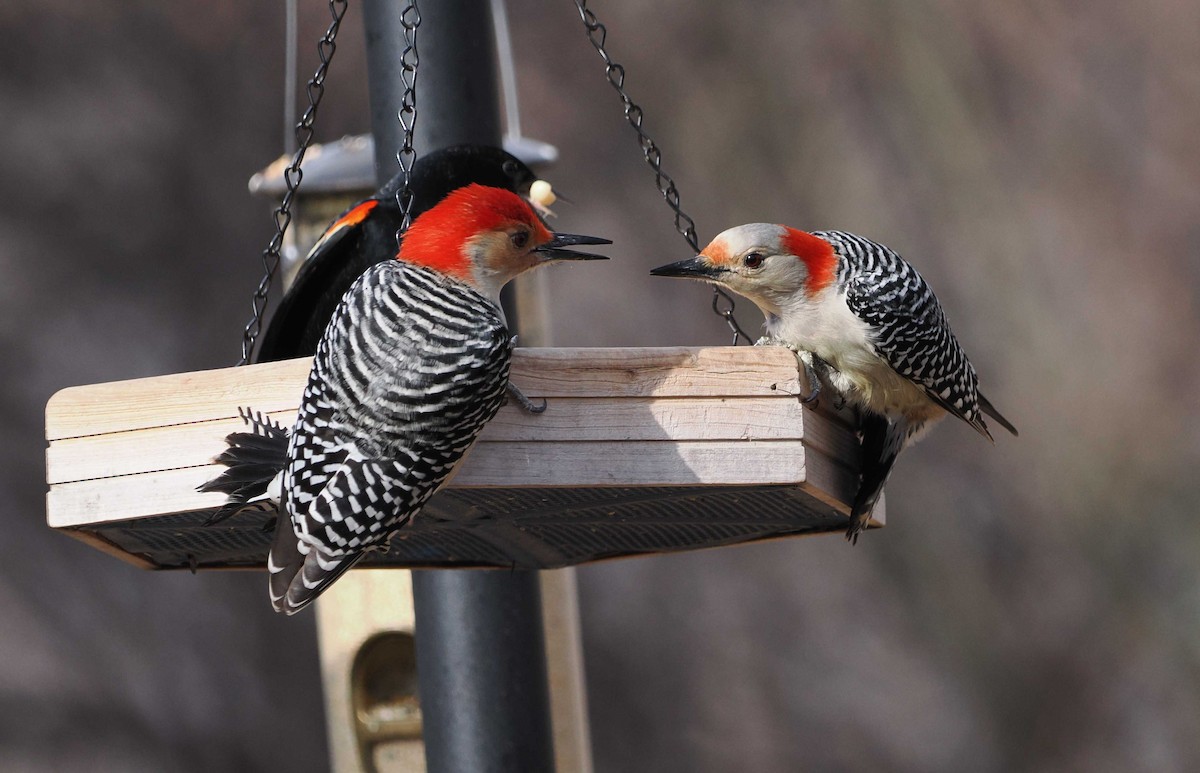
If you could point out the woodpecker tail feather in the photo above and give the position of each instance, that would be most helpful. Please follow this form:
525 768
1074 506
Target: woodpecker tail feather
882 441
990 410
253 459
296 578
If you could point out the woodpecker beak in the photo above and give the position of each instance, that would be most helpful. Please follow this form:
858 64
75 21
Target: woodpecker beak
692 268
553 249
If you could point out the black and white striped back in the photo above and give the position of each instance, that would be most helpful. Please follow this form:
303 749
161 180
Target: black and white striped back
910 329
410 369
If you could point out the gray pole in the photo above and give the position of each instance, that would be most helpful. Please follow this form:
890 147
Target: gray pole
457 97
481 659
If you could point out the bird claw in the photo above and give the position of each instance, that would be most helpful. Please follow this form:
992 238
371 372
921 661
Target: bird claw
810 373
526 404
517 395
808 362
814 383
820 372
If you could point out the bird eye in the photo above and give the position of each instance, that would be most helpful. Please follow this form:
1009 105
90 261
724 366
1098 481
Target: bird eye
753 260
520 239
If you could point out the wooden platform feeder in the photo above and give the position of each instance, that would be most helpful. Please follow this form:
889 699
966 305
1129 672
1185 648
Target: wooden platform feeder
640 451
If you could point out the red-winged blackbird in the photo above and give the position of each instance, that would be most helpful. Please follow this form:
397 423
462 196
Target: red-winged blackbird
365 235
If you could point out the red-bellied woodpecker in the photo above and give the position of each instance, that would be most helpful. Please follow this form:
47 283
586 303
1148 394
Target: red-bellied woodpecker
859 318
413 364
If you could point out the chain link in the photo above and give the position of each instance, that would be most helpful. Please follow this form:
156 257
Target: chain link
722 303
292 177
410 19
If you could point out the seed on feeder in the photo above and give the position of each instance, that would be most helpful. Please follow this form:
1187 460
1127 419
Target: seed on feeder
542 195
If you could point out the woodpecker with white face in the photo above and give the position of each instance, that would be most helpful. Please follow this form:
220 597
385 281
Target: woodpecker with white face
861 319
413 364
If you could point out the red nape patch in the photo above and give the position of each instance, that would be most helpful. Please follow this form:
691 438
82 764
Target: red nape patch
436 238
817 254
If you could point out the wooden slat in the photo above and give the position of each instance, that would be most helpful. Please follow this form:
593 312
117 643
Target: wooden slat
179 398
585 463
142 450
598 463
610 373
648 418
829 481
567 419
650 372
830 436
131 496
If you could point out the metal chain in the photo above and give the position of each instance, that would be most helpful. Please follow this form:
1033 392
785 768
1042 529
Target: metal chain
292 177
723 303
410 19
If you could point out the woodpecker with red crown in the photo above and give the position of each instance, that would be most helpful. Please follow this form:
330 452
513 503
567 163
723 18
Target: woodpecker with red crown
365 234
861 320
412 365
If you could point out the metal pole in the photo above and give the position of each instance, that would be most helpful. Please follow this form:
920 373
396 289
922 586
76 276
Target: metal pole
481 671
457 97
481 658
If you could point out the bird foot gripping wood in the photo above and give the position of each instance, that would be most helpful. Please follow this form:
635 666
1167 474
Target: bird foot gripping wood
805 362
519 397
526 404
821 372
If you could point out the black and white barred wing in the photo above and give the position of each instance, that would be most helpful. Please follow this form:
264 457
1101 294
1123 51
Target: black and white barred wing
412 367
911 331
359 506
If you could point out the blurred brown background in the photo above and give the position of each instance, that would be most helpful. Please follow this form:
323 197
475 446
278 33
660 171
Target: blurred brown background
1032 606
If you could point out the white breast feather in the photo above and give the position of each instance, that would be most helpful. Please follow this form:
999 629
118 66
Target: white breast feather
829 329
